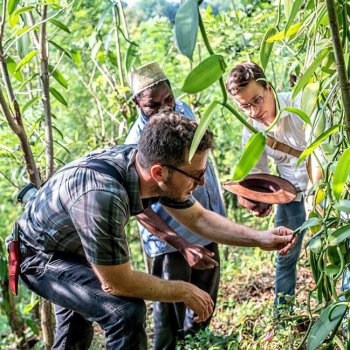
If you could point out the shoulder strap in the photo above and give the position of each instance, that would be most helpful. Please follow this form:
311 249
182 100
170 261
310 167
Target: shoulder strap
104 168
282 147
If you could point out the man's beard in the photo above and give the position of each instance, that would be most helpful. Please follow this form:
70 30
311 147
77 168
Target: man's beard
168 190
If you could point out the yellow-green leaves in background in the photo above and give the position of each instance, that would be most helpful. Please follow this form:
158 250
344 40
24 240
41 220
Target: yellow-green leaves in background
186 27
58 76
251 155
202 127
341 174
317 142
11 66
26 59
310 71
57 95
205 74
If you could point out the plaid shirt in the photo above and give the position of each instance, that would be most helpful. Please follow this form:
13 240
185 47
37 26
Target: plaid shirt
83 211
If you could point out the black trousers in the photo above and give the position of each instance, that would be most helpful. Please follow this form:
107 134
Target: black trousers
175 320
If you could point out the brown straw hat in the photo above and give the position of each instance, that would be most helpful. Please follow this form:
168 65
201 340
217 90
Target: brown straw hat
262 188
145 76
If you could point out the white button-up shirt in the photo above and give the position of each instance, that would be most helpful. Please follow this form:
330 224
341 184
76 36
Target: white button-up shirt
290 130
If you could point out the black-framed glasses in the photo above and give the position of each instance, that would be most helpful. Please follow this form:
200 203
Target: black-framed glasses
198 178
257 101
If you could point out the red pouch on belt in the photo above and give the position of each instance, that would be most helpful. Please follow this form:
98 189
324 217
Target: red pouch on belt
14 261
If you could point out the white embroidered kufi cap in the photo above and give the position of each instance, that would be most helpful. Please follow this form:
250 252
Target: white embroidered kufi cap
145 76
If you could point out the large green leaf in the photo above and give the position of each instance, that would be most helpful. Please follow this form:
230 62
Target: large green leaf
309 98
341 174
327 322
339 235
26 59
29 103
315 244
266 48
310 71
343 205
132 56
186 27
57 95
60 25
58 76
205 74
317 142
11 66
299 112
202 127
251 155
295 9
310 223
61 49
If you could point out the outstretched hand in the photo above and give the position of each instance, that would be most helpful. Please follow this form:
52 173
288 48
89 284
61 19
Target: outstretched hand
198 257
279 238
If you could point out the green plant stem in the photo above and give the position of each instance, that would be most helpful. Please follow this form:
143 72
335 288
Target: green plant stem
240 118
204 35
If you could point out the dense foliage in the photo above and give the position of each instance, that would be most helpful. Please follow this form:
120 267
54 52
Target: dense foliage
86 104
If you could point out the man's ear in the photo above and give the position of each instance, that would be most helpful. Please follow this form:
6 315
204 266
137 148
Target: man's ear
159 172
136 102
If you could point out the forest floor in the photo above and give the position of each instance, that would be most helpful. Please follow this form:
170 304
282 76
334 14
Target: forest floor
244 317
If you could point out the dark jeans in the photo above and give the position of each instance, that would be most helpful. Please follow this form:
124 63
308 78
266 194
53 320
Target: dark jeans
175 320
71 284
291 215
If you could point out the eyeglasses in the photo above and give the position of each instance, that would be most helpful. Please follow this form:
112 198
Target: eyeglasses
198 178
257 101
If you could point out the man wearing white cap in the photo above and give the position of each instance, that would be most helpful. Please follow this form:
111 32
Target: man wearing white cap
178 253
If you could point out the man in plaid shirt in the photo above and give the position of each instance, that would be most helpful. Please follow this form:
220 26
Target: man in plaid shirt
76 253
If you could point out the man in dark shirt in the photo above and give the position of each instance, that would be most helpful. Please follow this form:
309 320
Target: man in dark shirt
76 253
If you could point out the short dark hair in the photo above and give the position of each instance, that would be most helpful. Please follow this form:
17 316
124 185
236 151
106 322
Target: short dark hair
140 94
167 138
241 75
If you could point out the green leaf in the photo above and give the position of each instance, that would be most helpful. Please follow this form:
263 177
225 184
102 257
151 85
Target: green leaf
186 27
315 244
132 55
251 155
61 49
26 60
11 66
103 16
318 142
58 96
327 322
29 103
11 6
343 205
14 17
309 97
341 174
58 76
22 45
295 9
202 127
60 25
282 35
310 71
310 223
266 48
205 74
339 235
299 112
332 270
